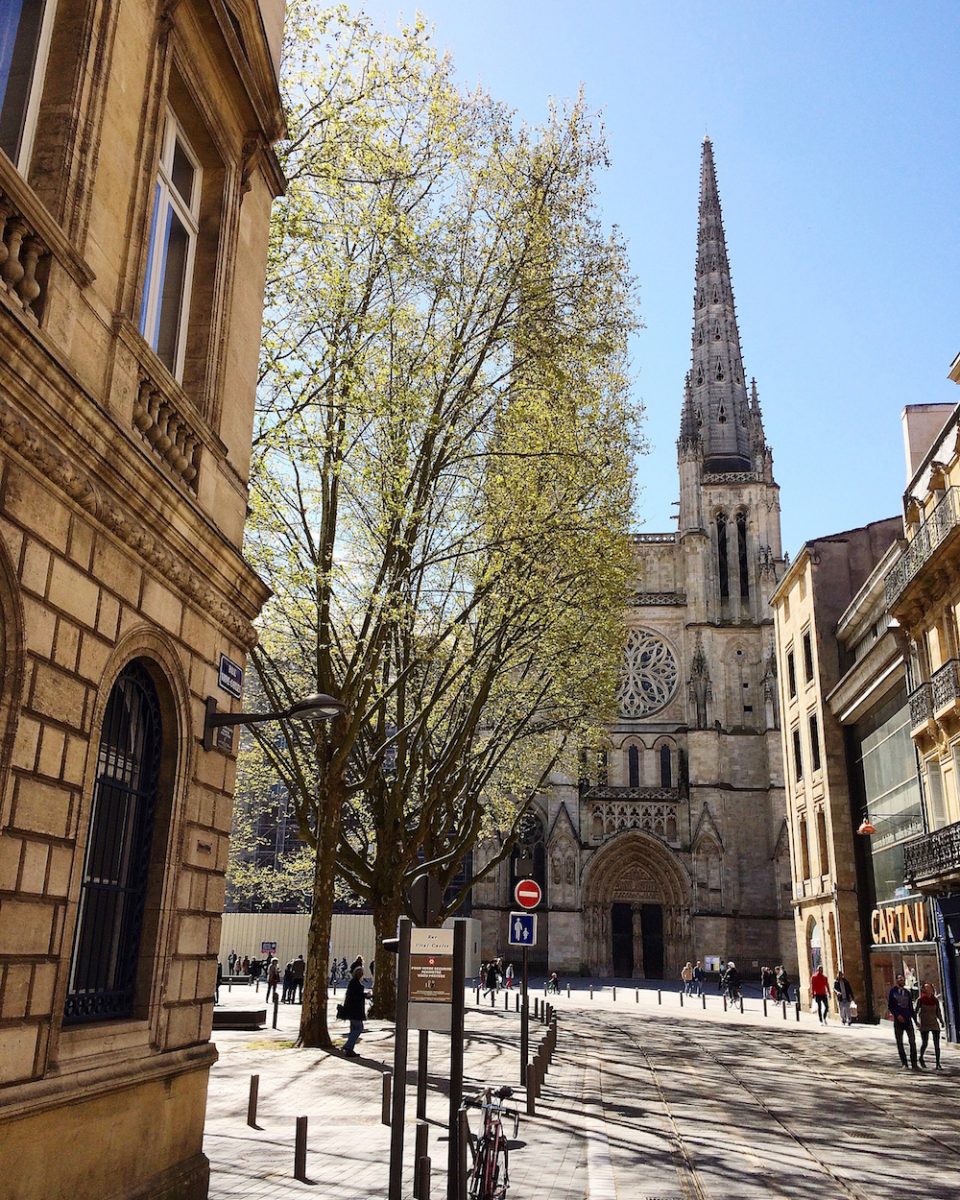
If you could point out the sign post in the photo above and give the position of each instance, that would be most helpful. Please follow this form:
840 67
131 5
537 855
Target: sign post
528 895
399 1062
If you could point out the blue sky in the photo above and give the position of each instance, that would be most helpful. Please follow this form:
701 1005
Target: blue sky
835 130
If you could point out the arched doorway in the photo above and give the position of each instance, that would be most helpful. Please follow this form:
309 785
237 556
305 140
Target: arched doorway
636 906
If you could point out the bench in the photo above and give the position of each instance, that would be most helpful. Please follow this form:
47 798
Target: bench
239 1018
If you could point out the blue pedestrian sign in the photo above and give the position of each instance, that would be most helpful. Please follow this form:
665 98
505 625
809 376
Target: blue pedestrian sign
523 929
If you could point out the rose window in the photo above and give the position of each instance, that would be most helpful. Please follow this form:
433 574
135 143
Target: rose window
649 674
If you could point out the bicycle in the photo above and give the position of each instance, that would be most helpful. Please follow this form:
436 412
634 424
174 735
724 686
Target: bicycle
490 1175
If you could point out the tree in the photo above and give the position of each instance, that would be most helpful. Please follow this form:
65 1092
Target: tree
440 477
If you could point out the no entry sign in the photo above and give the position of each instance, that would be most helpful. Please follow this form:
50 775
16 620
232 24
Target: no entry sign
527 893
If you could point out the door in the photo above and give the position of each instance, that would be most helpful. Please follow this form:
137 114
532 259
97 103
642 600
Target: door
621 926
651 930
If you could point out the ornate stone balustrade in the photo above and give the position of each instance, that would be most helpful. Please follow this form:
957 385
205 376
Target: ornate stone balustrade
648 539
945 685
921 708
642 599
160 418
29 239
611 810
934 857
930 534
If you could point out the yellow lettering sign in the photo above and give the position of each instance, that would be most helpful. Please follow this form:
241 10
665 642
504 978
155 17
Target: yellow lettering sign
900 923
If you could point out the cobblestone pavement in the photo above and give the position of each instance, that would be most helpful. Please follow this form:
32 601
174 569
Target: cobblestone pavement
645 1100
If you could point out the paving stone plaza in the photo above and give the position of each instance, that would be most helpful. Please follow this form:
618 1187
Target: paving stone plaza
644 1100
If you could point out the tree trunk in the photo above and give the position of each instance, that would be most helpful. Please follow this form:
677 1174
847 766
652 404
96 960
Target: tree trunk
313 1015
385 916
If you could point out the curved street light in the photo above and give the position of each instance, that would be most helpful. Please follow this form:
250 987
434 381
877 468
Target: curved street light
318 707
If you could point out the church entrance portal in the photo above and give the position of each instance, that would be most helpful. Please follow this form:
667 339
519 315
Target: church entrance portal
636 903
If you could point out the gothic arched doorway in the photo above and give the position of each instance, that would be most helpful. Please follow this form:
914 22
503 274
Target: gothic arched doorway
636 910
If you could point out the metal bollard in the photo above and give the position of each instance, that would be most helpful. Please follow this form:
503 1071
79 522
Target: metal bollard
764 1006
517 1001
798 1010
614 991
636 995
300 1151
784 1010
506 1001
385 1103
568 991
659 996
536 1008
420 1155
276 1010
532 1088
724 1004
703 1000
681 999
252 1102
493 997
421 1182
478 995
591 991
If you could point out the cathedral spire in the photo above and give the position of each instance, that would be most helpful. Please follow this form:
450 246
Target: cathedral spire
719 394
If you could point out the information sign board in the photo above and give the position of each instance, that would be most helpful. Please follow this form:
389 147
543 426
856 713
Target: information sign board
523 929
430 979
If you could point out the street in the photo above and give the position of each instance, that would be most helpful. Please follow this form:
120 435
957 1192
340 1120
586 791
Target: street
644 1101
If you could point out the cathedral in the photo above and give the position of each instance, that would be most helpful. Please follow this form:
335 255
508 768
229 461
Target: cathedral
672 844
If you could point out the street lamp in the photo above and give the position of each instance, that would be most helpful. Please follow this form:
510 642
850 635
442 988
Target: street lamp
318 707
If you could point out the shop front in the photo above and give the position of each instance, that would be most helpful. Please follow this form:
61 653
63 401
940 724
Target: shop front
903 942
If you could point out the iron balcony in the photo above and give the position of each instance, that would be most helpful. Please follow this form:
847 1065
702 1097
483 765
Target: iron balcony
935 857
931 533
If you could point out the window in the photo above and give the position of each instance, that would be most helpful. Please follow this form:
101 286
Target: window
807 658
633 767
116 870
722 555
791 674
666 767
24 43
804 848
814 742
742 555
171 249
822 851
936 808
797 756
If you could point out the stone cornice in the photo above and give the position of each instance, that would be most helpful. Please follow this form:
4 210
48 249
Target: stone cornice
20 435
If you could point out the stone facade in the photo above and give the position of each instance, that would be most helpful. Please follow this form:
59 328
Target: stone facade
136 179
674 846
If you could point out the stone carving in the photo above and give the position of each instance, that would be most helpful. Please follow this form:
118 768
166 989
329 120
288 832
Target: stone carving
609 819
60 471
650 674
699 688
166 431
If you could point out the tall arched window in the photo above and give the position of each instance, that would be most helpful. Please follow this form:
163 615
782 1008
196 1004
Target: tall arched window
666 768
722 555
116 870
742 554
633 767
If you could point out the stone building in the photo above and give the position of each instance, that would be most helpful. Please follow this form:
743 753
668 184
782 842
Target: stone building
840 681
674 846
923 594
136 180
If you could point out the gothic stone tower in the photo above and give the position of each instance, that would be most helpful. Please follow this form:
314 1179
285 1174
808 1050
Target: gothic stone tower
673 846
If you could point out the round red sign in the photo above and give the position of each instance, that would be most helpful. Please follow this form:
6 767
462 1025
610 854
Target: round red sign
527 893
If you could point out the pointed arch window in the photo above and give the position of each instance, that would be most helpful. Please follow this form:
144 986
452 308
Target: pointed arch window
722 414
633 767
719 369
700 336
722 555
666 767
742 555
699 374
716 332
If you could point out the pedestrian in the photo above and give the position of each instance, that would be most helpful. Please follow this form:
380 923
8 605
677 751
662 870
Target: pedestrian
355 1011
783 984
731 982
698 977
216 998
232 960
553 983
900 1007
343 968
287 994
845 998
686 976
299 974
820 990
930 1020
767 982
357 962
245 968
492 981
273 977
508 975
334 972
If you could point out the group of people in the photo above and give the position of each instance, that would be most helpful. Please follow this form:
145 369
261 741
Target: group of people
290 978
842 991
494 975
910 1013
774 981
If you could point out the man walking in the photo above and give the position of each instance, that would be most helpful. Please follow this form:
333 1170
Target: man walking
900 1007
355 1011
698 978
820 990
687 976
299 971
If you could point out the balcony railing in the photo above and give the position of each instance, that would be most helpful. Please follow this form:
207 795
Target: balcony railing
933 856
942 521
921 707
946 686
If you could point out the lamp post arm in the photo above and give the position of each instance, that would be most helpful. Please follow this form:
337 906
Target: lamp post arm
217 720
